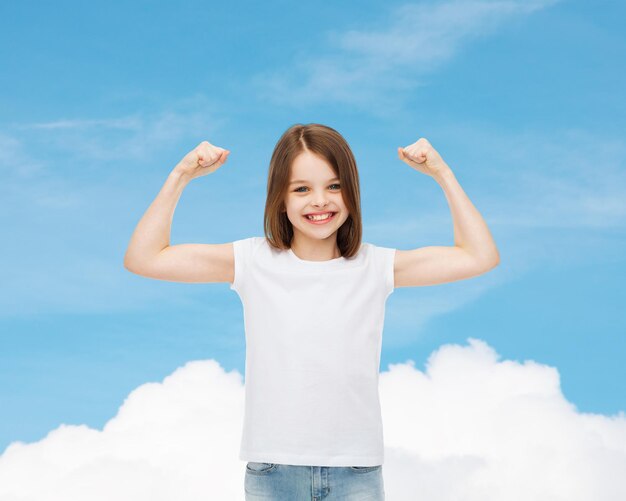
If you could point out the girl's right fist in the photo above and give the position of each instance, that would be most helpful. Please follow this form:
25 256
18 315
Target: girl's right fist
202 160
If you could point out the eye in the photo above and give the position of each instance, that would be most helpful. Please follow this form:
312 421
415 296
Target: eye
338 187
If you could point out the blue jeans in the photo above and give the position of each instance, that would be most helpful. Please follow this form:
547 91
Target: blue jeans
283 482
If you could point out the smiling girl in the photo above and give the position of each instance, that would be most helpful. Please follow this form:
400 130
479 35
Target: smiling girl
313 298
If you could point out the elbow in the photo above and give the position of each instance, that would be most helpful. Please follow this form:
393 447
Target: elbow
492 259
131 260
486 267
128 264
494 262
488 264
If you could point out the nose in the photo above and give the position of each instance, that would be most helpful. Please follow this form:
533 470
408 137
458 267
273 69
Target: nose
320 200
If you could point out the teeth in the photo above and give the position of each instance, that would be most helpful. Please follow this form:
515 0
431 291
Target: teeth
320 217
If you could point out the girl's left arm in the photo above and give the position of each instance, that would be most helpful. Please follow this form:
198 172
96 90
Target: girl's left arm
474 251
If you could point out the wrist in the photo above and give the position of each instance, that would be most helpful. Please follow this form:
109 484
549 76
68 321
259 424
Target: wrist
179 176
445 175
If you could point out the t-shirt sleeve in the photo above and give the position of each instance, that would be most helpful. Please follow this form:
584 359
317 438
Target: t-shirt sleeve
242 252
385 258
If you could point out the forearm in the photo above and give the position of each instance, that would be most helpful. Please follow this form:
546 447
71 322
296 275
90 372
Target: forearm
470 229
152 233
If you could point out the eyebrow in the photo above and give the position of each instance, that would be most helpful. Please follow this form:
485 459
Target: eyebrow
304 181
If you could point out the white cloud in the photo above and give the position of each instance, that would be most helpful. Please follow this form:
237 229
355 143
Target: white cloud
475 428
138 138
470 427
128 123
174 440
368 67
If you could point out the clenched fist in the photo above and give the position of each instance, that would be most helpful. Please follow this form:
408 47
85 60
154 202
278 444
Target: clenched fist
202 160
422 157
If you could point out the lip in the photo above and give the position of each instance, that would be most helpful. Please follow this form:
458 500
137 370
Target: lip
319 213
323 221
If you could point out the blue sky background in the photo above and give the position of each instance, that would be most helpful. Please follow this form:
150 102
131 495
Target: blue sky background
98 102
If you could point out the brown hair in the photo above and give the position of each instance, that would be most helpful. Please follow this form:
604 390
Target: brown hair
328 144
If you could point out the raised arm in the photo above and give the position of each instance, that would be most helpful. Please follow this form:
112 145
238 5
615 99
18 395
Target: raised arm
149 252
474 251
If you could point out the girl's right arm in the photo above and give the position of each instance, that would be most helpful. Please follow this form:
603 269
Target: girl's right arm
149 252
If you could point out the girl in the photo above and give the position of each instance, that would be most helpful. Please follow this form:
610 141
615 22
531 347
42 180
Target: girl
314 298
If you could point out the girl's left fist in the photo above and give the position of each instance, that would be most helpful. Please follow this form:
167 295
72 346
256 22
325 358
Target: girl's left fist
423 157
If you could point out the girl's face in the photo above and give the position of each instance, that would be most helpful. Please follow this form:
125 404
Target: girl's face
314 187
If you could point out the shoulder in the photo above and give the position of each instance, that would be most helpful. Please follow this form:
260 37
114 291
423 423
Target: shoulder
245 248
249 242
384 260
379 251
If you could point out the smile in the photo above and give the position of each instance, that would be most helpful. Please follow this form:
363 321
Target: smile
321 219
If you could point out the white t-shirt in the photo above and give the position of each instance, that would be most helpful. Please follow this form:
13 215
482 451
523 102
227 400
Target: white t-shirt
313 339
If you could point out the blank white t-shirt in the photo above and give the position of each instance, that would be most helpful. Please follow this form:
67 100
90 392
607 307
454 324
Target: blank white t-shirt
313 339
